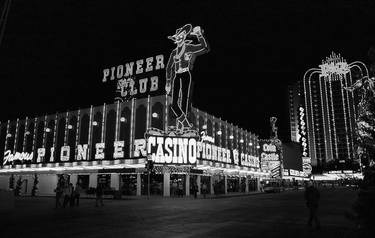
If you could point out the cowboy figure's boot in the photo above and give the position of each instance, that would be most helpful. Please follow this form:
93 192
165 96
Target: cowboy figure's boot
179 123
186 123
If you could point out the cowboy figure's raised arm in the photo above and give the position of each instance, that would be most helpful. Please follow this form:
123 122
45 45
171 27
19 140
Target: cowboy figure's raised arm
200 48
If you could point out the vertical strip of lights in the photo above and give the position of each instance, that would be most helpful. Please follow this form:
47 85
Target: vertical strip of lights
328 117
89 137
148 118
117 120
54 139
213 127
16 137
44 131
166 113
131 152
6 137
341 77
205 122
66 128
25 134
77 134
313 116
197 119
354 116
323 115
221 134
34 138
333 116
103 123
309 116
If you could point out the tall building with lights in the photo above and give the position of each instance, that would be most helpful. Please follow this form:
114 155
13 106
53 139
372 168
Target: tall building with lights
322 112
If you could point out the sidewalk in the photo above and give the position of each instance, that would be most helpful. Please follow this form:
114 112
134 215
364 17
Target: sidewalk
208 196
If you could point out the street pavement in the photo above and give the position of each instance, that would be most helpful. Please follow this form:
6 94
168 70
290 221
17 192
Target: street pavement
257 215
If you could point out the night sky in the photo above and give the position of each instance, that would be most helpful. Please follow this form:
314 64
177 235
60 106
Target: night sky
53 52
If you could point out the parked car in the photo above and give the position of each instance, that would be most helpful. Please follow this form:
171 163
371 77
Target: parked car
272 187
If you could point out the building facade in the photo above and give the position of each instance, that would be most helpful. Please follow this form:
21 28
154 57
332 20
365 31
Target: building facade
107 144
323 113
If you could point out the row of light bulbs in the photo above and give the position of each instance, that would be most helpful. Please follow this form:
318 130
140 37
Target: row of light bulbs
123 119
219 133
94 123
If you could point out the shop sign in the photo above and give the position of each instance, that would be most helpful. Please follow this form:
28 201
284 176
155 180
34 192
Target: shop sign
81 153
9 157
306 165
297 173
269 152
172 150
186 150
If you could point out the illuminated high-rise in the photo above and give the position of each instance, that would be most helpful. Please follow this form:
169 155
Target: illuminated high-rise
321 102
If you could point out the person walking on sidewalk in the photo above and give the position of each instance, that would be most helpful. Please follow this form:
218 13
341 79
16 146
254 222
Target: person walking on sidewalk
204 189
99 195
77 194
59 193
66 193
312 197
195 189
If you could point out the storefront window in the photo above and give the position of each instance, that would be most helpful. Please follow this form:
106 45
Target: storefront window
253 184
232 184
205 180
156 184
84 181
219 184
129 184
105 181
177 184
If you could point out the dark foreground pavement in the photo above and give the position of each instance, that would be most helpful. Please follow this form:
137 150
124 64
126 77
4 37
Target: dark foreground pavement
261 215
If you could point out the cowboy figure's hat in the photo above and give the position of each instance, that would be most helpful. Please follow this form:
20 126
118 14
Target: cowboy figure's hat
186 29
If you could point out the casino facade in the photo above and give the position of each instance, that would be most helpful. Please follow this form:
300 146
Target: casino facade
151 120
107 144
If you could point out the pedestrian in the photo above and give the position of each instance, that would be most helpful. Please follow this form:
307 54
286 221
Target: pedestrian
77 194
204 190
174 188
66 194
72 195
59 192
195 190
99 195
312 197
180 189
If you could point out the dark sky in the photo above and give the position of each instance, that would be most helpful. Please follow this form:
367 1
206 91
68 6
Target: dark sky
53 52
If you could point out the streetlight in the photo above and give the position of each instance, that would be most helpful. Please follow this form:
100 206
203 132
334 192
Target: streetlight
122 119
